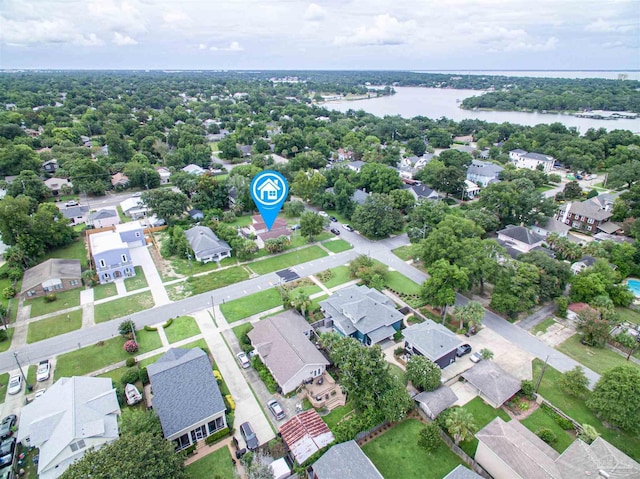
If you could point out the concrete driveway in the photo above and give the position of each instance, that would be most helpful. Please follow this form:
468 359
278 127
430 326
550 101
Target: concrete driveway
505 354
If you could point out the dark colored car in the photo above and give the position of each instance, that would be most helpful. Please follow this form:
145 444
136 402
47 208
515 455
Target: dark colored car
7 448
249 436
333 219
335 231
462 350
6 425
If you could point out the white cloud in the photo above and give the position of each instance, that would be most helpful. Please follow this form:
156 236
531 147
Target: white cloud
505 40
315 13
202 46
386 30
233 47
122 40
34 32
604 26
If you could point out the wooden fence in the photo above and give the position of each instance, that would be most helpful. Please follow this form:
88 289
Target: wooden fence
576 425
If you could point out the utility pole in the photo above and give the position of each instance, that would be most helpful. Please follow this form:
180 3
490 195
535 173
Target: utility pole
15 355
541 374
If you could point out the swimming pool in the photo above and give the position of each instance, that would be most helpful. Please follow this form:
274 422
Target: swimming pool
634 286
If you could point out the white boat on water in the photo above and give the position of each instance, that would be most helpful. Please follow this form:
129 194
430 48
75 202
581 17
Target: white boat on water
132 394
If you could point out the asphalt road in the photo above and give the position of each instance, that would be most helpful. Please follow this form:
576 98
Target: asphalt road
380 250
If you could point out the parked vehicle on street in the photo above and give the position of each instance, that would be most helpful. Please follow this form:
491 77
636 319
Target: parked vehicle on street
462 350
6 426
335 231
243 360
7 449
249 436
276 409
347 227
15 384
71 203
324 214
44 370
333 219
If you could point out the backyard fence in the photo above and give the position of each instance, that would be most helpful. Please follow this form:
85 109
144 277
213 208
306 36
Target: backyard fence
576 425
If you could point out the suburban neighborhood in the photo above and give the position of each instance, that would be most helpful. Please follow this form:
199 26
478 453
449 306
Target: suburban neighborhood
434 299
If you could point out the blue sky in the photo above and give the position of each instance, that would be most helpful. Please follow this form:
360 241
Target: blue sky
323 34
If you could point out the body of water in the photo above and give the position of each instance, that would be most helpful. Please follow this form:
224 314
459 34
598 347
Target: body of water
634 286
439 102
607 74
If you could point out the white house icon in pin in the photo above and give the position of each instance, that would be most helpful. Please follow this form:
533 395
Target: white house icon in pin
269 190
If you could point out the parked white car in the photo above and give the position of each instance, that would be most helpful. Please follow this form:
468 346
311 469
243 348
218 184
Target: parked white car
15 384
44 370
243 360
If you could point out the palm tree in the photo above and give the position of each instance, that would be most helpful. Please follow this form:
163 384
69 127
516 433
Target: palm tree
460 424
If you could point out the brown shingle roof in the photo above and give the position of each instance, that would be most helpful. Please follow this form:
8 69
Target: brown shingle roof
50 269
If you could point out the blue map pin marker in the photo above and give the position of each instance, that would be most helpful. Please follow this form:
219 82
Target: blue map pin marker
269 190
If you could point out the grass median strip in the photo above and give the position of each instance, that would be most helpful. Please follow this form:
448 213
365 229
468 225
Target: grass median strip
182 328
252 304
120 308
50 327
288 259
337 246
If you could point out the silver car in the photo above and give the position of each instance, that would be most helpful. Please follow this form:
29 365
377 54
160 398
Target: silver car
15 385
276 409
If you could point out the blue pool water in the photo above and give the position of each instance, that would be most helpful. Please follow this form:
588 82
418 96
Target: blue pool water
634 286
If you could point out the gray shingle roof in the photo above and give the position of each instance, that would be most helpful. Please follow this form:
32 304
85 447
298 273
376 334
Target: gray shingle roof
521 450
423 191
484 168
204 242
74 211
590 210
492 381
344 461
581 460
437 400
102 214
184 389
554 225
284 347
522 234
462 472
538 157
50 269
432 339
361 308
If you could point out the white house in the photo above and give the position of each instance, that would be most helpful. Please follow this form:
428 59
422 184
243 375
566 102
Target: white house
193 170
531 161
165 175
75 415
134 208
471 190
103 218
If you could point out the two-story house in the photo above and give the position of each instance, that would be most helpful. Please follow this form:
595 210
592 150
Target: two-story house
483 173
586 216
531 161
111 256
362 313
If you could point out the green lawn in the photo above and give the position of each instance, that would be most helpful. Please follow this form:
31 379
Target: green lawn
122 307
542 326
539 419
123 218
405 253
337 246
627 314
182 328
10 304
578 410
218 279
482 414
335 416
287 260
148 340
241 329
114 374
91 358
396 454
401 284
241 221
252 304
64 300
216 464
397 371
4 345
184 267
47 328
339 276
597 359
31 376
103 291
138 281
145 362
306 286
4 380
97 356
199 343
75 250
